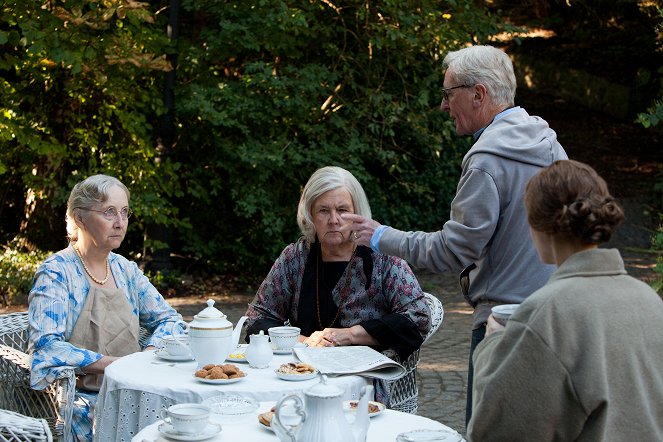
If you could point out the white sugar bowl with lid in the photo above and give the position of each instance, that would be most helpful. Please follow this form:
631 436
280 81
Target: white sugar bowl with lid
211 335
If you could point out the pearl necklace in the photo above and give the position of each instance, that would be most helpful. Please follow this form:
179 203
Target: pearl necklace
317 286
98 281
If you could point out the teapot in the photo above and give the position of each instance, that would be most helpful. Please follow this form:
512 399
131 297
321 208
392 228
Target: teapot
323 418
211 335
259 352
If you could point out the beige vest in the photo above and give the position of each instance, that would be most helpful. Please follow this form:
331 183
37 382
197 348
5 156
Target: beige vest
106 325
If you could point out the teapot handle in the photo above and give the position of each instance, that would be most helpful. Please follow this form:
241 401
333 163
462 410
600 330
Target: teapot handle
287 433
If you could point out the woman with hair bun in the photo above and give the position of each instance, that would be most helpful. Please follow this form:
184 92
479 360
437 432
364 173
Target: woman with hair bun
582 357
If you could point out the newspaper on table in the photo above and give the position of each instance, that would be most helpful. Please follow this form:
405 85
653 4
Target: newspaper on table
356 359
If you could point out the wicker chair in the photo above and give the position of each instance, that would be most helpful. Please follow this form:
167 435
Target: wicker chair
15 427
404 391
55 403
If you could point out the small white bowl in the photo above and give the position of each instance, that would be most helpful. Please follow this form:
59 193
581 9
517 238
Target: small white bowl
284 337
502 313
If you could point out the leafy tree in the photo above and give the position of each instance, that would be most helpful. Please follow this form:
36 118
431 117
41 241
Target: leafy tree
79 93
267 91
272 90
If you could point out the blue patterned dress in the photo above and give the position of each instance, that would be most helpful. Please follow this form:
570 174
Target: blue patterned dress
55 302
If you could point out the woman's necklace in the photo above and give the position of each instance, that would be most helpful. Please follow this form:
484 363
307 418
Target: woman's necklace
98 281
317 286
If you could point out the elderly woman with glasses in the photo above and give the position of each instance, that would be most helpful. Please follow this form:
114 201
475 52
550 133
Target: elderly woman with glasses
336 291
87 303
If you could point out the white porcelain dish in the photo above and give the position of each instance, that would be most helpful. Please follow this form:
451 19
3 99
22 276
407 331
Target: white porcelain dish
163 354
296 377
378 407
430 435
281 351
238 355
218 381
210 431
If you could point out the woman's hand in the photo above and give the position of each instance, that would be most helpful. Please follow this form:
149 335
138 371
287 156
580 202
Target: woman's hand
317 339
335 337
493 326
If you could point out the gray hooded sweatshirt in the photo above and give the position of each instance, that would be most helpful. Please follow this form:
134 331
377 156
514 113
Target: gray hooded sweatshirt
488 222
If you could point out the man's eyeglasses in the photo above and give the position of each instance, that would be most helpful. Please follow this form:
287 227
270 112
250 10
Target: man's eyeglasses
445 91
111 213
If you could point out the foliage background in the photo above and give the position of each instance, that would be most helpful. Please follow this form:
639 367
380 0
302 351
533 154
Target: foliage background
266 92
216 122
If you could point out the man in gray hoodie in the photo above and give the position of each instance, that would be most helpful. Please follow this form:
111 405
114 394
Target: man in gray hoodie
486 239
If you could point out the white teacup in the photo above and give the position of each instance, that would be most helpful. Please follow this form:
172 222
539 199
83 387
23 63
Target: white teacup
176 345
284 337
187 418
502 313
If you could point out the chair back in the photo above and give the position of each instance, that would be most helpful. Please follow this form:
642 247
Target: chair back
404 391
16 427
436 314
14 330
52 404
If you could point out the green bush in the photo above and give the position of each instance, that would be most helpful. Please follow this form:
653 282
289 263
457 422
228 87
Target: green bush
17 270
266 92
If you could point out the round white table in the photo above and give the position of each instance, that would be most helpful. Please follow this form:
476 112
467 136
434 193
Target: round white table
383 427
138 386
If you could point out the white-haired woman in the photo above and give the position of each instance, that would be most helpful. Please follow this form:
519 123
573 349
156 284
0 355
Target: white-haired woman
336 292
87 303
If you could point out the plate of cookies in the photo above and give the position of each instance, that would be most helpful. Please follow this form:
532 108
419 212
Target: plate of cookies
296 371
219 374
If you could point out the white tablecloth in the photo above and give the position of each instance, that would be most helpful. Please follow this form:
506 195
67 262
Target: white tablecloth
136 388
383 428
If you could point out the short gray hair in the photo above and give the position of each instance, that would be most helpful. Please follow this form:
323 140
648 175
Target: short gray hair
86 194
485 65
323 180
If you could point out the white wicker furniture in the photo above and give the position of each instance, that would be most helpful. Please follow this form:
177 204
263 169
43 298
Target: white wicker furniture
15 427
404 391
53 404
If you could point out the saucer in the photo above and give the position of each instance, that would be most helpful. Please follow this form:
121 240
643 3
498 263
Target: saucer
210 431
281 351
163 354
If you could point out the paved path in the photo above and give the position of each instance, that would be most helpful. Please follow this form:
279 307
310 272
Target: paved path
442 372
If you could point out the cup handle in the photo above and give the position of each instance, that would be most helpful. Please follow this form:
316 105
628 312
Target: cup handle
173 328
164 415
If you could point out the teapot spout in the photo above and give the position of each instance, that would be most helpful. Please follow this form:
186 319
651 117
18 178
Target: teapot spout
238 331
361 422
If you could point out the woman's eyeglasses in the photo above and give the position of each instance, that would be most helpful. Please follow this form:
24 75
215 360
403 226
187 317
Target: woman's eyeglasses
111 213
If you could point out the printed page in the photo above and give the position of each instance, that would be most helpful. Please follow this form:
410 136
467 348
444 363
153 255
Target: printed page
356 359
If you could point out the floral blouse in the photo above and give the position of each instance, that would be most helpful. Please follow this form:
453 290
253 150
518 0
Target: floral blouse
56 299
384 296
